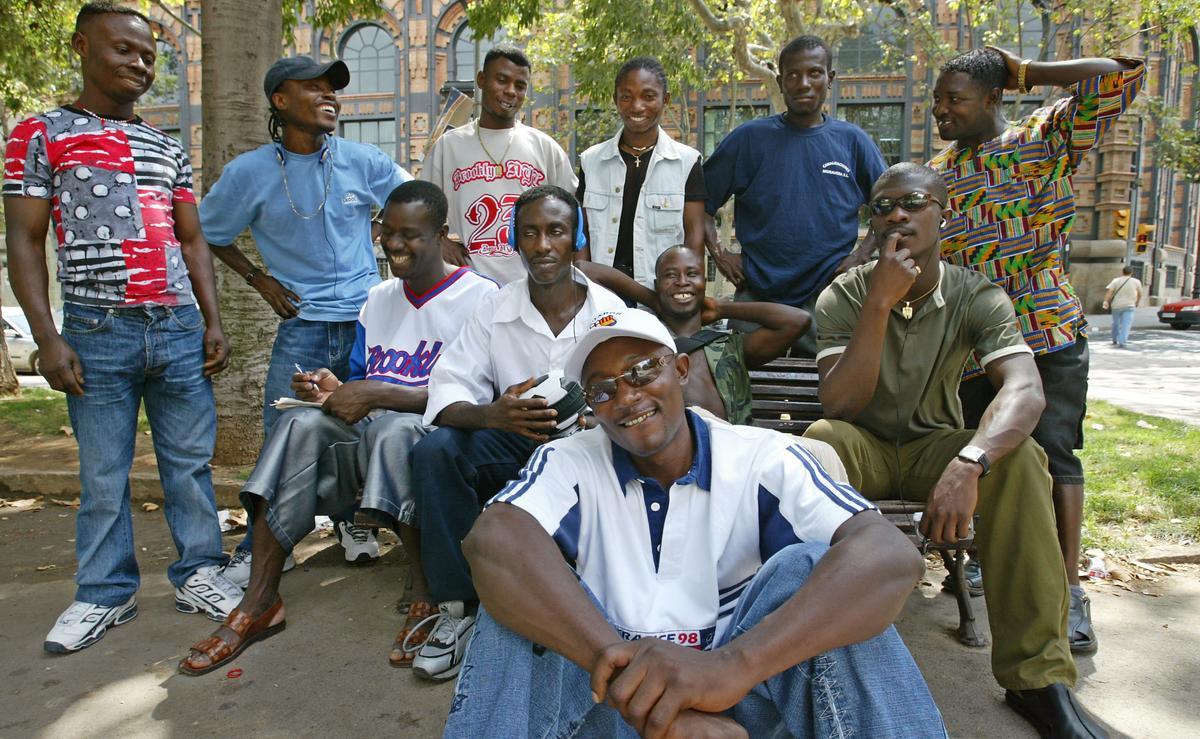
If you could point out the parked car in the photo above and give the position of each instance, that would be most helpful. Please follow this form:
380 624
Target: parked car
21 348
1181 313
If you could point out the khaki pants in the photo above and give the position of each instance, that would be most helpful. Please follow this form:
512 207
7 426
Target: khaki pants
1017 545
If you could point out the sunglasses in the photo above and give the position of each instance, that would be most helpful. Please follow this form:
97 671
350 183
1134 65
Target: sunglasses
643 373
914 202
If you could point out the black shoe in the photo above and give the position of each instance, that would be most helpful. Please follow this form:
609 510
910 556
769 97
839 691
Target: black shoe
1079 626
1054 712
972 574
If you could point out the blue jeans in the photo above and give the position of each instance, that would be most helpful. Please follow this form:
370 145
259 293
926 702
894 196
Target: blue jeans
869 689
130 355
454 472
1122 320
311 345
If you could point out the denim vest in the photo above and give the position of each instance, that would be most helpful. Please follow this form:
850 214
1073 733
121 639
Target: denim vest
658 222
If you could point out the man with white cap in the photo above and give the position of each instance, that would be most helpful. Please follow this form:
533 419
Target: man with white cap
683 574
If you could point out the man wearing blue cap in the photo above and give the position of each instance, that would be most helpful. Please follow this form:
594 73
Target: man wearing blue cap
307 199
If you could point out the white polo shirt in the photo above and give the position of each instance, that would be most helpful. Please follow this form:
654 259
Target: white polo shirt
506 341
672 564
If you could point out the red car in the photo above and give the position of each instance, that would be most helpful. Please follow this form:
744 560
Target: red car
1180 313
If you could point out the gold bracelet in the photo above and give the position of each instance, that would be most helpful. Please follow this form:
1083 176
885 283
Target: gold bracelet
1021 77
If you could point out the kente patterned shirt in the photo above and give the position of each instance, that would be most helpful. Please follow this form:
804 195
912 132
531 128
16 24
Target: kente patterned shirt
1014 205
113 185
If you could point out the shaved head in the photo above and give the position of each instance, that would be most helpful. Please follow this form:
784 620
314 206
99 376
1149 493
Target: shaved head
914 173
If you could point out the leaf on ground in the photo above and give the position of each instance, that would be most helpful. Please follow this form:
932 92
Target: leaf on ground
66 430
149 507
1144 424
66 503
25 504
44 568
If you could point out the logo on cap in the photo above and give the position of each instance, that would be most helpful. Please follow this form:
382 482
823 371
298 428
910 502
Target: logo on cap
604 319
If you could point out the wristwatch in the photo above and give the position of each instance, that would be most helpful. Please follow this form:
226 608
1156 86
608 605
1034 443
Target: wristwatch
974 454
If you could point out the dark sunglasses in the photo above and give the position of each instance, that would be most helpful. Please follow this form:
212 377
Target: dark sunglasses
643 373
914 202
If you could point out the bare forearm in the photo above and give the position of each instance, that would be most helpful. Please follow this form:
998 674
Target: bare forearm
525 585
198 258
848 386
463 415
620 283
233 258
30 282
874 569
389 397
781 326
1009 419
1066 73
694 226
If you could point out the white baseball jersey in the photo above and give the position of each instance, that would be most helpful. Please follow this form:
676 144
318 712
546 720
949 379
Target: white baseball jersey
482 192
401 334
672 564
506 342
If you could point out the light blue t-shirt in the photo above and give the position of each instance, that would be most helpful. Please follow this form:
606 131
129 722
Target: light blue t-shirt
328 259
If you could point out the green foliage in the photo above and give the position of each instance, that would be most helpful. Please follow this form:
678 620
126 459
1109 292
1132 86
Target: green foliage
1176 136
37 66
327 13
42 412
1142 480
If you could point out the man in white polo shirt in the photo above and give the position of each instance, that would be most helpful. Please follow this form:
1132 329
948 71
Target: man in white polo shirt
698 577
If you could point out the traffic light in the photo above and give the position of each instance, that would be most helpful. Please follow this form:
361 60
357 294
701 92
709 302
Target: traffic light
1121 223
1145 232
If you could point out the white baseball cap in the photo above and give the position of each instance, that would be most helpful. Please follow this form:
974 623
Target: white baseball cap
631 322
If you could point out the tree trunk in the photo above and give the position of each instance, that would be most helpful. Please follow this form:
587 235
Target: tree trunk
8 377
241 40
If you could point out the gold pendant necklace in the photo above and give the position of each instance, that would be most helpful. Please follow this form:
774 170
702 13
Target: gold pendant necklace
498 163
907 310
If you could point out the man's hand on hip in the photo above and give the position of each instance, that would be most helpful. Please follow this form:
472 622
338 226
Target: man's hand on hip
60 366
951 504
658 680
281 300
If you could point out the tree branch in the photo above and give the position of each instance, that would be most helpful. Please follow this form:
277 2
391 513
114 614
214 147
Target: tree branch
714 24
175 16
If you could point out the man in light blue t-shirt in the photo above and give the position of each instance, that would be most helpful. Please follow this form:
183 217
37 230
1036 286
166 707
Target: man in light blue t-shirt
307 199
798 179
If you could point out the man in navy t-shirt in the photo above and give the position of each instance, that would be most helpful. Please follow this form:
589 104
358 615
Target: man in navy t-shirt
799 179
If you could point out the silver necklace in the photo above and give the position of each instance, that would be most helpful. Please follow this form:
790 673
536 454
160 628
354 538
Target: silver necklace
288 191
102 119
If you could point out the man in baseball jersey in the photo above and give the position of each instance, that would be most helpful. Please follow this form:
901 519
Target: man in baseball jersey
486 431
700 578
306 198
316 461
484 166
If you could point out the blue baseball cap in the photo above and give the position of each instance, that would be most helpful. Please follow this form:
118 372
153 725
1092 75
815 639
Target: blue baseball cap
305 68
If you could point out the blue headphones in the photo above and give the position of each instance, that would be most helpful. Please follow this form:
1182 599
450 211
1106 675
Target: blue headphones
580 236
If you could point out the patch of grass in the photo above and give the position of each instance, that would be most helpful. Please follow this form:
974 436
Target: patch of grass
1142 480
42 412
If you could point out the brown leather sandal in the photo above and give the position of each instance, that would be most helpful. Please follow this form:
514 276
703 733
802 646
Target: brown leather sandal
418 611
215 651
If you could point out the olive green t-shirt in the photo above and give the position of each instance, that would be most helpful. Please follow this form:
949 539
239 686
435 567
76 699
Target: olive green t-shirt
923 358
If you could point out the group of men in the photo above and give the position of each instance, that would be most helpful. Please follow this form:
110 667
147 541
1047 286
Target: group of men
659 567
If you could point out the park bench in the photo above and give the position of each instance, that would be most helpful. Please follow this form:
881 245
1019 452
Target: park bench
785 399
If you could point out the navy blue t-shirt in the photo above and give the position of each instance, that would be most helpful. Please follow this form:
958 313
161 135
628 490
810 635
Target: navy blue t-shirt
798 191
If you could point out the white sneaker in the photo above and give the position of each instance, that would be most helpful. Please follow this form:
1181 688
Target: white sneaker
360 544
442 655
83 624
237 571
209 592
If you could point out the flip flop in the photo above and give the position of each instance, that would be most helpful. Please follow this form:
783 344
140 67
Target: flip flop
419 612
215 651
1080 634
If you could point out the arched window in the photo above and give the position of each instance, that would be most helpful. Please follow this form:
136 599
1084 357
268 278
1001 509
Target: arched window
370 54
462 52
865 51
168 69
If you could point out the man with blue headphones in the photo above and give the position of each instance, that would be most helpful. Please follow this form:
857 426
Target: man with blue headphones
486 430
307 198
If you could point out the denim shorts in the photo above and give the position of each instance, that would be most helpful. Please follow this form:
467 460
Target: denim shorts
1060 429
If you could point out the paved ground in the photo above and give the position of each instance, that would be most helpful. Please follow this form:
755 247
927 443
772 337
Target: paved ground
1159 372
327 673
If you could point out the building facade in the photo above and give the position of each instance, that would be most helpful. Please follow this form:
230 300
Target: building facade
403 63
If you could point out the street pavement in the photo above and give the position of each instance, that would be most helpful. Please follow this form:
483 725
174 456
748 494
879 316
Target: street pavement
1158 374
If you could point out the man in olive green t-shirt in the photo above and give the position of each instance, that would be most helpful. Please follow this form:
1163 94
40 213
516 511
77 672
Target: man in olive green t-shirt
892 338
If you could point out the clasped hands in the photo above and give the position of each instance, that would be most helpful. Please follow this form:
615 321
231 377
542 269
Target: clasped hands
665 690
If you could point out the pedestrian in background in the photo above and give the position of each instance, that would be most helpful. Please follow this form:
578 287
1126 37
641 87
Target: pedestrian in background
1120 298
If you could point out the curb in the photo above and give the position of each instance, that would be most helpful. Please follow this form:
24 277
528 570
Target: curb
145 486
1171 554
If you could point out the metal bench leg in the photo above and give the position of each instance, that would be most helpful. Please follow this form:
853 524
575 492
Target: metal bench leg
968 632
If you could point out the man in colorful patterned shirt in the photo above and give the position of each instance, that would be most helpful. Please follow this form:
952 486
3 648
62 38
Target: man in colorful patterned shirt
133 265
1010 191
